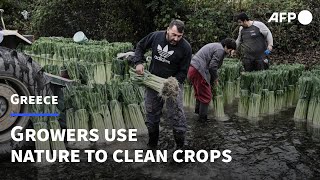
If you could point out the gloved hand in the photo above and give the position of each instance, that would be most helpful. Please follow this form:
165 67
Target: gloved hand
267 52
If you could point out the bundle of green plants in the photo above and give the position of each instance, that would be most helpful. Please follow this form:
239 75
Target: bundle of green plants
63 51
118 68
267 90
229 79
316 106
294 73
187 94
115 106
167 88
314 99
309 91
39 123
54 124
132 109
250 94
78 104
280 94
140 92
270 85
217 102
70 122
305 89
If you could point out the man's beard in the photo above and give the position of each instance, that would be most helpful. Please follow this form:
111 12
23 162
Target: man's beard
173 42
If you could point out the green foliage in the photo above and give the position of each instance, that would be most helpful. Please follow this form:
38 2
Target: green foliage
12 16
165 10
209 25
98 19
130 20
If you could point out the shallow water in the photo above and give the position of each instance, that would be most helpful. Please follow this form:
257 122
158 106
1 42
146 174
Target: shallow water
274 147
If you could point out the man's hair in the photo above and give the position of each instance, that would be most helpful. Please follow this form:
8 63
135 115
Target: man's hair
178 23
229 43
243 16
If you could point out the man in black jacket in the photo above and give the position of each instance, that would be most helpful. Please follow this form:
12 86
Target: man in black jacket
171 56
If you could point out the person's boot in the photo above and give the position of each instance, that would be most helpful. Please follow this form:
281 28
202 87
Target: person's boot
197 106
179 137
203 112
153 138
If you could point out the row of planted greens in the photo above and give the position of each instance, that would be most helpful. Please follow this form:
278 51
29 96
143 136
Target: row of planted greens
103 98
117 105
89 62
308 107
270 91
93 63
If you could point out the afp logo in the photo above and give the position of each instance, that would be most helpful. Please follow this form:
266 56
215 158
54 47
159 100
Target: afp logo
304 17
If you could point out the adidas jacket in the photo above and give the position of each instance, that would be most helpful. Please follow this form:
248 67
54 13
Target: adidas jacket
167 60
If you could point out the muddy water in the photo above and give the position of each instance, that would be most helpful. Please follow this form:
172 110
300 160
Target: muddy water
274 147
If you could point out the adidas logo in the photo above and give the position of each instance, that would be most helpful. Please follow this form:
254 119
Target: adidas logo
164 52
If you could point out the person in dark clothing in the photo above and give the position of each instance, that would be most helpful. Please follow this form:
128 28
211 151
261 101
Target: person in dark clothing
171 56
255 41
203 72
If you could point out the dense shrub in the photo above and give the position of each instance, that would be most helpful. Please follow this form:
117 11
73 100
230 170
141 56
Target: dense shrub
121 20
12 16
209 25
129 20
163 11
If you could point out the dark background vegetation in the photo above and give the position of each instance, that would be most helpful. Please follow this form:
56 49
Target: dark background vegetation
206 21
